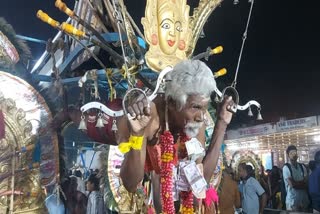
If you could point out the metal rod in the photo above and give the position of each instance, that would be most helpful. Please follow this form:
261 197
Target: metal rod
244 37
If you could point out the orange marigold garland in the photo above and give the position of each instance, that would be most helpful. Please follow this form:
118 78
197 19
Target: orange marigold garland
166 172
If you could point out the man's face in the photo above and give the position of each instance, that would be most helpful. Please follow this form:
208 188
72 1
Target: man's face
89 186
191 117
293 156
242 172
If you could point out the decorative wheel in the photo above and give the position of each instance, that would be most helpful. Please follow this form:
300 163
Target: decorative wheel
28 161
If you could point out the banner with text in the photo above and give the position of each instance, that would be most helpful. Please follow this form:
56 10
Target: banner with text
306 122
263 129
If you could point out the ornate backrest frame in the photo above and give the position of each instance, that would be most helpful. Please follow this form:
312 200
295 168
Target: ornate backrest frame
25 111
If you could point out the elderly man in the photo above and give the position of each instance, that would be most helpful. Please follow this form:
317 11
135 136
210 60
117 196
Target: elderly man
182 111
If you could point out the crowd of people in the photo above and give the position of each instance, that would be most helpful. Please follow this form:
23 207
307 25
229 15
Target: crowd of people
294 188
77 196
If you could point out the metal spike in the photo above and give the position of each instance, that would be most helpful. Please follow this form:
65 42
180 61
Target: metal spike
259 117
250 114
202 34
83 124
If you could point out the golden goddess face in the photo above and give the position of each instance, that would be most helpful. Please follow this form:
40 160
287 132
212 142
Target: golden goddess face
169 30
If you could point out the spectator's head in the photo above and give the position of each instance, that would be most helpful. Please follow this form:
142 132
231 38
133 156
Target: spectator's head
73 183
93 183
317 157
275 173
292 153
78 173
250 171
312 165
242 170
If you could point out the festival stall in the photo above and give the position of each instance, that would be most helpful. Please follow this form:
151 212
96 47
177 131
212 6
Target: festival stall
266 144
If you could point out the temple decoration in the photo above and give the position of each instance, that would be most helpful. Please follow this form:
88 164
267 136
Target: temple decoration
28 160
171 33
8 53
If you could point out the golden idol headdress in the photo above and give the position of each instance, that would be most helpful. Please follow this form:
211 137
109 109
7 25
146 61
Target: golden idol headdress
171 32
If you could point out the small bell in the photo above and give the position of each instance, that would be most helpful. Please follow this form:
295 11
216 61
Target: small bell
202 34
250 112
114 126
82 125
259 117
99 123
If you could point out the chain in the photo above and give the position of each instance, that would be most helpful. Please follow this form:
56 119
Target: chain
244 37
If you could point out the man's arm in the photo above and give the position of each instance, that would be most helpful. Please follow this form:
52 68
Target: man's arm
297 184
132 168
263 202
237 203
261 193
294 184
211 158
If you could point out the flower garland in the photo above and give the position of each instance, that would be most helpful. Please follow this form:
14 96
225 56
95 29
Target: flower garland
186 196
166 172
187 202
167 159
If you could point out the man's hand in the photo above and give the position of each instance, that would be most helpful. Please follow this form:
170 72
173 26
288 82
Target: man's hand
139 116
224 112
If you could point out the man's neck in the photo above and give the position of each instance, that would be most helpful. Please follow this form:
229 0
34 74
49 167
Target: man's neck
294 163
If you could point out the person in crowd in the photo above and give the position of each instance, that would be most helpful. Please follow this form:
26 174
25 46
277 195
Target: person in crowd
81 184
54 204
254 198
95 199
295 180
230 195
76 201
314 184
275 182
312 165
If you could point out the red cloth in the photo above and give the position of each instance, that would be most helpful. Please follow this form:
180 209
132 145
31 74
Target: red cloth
2 130
153 158
93 132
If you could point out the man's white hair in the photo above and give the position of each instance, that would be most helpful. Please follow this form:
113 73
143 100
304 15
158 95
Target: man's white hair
189 77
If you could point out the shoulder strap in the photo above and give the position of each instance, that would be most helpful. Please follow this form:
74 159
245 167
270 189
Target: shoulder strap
289 167
301 166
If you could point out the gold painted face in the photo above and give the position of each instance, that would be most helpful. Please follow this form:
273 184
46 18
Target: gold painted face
169 30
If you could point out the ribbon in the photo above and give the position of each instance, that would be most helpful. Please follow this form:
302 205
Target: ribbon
2 130
135 142
211 196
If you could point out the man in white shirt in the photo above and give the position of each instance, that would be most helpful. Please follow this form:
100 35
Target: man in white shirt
295 180
95 198
252 192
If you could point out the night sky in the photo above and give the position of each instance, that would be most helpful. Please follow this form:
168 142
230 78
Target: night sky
280 64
